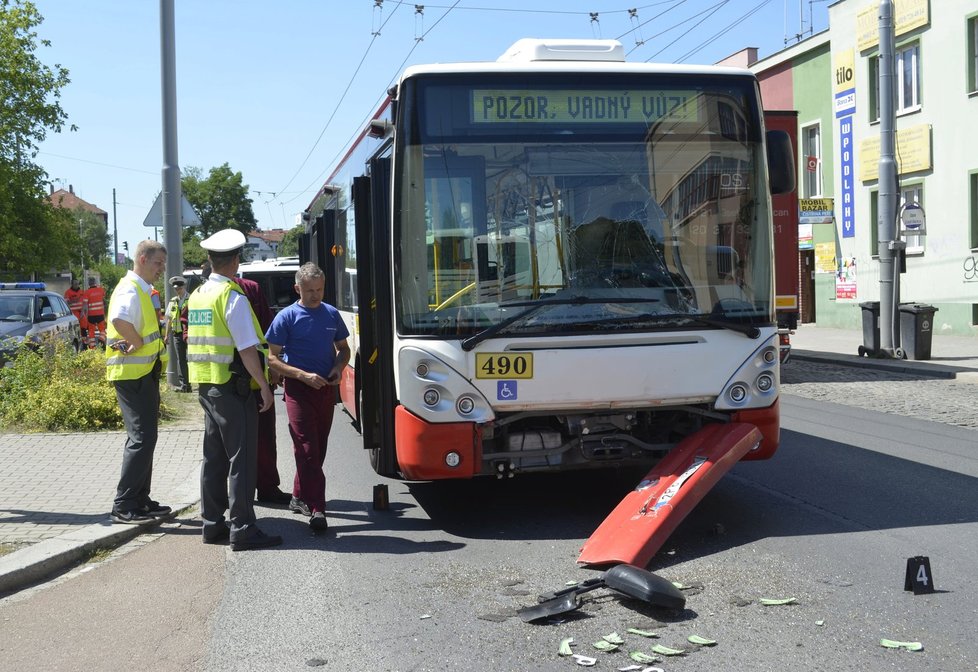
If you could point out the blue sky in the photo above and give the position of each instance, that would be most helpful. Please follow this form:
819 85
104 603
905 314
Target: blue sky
278 90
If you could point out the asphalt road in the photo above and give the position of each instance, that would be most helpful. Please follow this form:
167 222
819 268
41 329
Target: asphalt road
434 583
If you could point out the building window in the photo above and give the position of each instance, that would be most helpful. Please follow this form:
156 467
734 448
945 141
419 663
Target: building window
906 80
974 210
912 194
908 194
973 54
811 138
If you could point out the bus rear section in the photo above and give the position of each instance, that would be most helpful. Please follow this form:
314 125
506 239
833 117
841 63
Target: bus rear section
569 265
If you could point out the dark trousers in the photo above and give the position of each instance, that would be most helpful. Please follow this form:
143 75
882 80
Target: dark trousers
139 401
180 348
268 478
227 476
310 419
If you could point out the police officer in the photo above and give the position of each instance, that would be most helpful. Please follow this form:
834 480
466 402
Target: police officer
224 359
136 355
174 331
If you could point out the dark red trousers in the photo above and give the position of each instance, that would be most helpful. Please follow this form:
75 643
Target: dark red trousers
268 479
310 419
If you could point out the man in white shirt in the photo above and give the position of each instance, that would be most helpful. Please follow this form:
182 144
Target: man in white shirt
133 364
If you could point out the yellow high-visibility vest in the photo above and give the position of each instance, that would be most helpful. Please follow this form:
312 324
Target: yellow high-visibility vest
119 366
210 347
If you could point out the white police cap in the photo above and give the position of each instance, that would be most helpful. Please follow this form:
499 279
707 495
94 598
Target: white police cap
225 240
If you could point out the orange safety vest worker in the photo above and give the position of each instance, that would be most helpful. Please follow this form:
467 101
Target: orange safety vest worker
78 304
95 295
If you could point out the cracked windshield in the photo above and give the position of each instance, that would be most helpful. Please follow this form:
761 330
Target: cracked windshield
581 209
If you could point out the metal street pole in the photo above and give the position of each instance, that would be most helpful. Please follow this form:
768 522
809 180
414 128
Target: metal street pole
888 245
115 233
171 167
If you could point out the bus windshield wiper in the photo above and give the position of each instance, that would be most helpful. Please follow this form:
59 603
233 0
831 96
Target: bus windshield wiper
748 330
534 306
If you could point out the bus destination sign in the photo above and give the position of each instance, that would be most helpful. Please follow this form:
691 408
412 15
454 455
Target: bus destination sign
576 106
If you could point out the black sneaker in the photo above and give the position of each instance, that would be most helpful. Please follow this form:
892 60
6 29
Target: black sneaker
274 497
155 509
220 537
299 506
257 539
318 522
130 517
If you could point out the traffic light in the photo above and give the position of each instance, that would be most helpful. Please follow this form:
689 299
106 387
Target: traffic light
125 246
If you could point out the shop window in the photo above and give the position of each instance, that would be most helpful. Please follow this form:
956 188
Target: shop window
811 138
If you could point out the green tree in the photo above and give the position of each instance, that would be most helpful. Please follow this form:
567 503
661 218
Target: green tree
221 200
289 247
34 236
93 235
193 254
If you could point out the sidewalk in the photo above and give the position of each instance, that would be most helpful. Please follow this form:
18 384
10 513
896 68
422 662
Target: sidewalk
56 492
56 489
951 356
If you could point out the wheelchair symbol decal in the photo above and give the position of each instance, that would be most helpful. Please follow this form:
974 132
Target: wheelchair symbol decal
506 390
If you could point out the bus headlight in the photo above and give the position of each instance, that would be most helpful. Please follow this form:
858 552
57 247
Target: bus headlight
755 383
737 393
764 382
465 405
429 386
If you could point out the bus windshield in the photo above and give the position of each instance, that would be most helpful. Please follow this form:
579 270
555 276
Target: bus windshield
615 202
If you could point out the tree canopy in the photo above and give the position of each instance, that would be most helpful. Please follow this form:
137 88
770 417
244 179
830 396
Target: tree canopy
34 235
221 200
289 247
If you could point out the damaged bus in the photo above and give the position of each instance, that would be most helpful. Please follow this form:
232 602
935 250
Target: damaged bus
563 261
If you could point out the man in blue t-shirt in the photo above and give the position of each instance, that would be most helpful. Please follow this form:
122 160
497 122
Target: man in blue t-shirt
307 346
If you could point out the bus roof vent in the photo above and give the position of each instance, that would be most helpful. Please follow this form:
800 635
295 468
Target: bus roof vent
532 49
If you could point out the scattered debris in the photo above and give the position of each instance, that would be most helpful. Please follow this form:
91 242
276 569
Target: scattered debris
584 661
641 633
820 623
424 616
602 645
315 662
768 602
613 638
909 646
640 657
667 651
702 641
565 647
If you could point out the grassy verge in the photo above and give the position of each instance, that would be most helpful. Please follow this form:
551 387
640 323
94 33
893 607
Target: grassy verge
58 390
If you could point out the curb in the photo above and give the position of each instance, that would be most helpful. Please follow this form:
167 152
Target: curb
38 561
910 367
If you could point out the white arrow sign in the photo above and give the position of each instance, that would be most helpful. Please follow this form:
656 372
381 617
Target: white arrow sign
188 217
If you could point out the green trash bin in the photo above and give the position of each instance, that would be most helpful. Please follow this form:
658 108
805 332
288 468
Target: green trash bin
917 329
871 328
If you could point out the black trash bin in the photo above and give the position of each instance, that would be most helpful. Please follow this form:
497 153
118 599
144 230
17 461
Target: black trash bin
917 329
871 328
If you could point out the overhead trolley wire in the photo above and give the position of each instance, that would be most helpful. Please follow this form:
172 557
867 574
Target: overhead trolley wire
714 9
715 35
359 127
336 109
